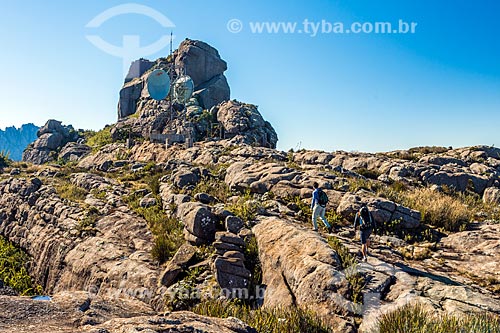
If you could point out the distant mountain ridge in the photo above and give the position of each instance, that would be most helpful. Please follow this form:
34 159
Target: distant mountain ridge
14 140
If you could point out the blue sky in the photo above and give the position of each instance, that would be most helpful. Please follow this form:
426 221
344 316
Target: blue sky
366 92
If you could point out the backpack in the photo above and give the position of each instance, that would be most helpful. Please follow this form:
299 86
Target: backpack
364 225
322 198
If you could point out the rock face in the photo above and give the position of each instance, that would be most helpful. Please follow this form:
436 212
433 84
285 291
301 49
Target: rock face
238 118
209 113
111 258
194 58
299 269
77 312
199 222
204 65
492 195
13 140
51 137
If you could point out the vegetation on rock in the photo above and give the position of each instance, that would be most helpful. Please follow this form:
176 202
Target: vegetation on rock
413 318
13 269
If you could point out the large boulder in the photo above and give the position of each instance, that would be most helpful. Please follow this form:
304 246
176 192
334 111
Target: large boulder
199 222
492 195
300 269
214 91
74 151
51 138
383 210
243 119
199 60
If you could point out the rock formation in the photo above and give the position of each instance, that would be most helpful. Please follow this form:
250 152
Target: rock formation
54 141
209 114
121 236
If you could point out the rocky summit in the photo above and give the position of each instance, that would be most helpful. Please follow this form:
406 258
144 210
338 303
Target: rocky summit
186 218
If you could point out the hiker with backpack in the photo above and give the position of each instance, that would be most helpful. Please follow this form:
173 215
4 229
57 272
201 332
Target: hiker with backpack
318 206
366 225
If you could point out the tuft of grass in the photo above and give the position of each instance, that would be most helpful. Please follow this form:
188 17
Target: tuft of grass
356 184
253 264
266 320
153 182
99 139
214 187
438 209
13 269
348 261
413 318
167 230
4 159
245 208
71 192
88 223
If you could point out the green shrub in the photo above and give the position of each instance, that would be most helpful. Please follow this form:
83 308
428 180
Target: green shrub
4 159
99 139
214 187
413 318
167 230
253 264
166 245
153 182
245 208
348 262
88 223
13 272
356 184
71 192
277 320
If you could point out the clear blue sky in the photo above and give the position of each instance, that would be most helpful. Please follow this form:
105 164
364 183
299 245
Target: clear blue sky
367 92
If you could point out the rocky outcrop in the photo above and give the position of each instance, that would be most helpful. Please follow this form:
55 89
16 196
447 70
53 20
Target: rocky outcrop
106 252
300 269
194 58
243 119
81 312
210 112
181 322
258 177
74 151
204 65
13 141
51 138
199 222
383 211
492 195
230 271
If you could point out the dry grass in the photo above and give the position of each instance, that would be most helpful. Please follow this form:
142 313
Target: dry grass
438 209
415 319
277 320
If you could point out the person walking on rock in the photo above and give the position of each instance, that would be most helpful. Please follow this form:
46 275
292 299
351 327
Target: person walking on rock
366 224
318 206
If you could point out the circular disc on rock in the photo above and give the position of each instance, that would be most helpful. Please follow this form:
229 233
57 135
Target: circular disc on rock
183 88
158 84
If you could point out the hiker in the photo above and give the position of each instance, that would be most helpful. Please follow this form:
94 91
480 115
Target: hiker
318 206
366 225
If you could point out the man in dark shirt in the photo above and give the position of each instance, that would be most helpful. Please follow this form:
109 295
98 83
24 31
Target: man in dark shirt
366 224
